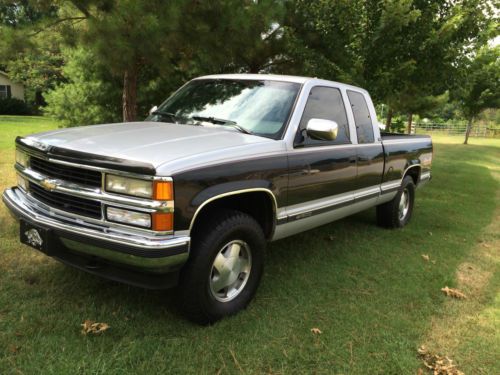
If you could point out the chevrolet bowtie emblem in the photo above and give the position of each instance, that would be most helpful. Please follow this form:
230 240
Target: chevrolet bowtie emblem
48 184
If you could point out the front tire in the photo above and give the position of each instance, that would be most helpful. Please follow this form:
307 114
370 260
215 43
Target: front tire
225 266
397 212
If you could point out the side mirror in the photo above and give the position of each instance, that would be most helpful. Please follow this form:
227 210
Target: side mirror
153 109
325 130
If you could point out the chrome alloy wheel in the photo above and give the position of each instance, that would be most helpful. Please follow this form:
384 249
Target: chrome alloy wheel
404 204
230 270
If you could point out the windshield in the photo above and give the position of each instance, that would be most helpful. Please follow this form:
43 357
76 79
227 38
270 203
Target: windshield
255 107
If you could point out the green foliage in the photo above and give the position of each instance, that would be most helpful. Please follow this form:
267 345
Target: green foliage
89 96
405 52
481 83
13 106
408 53
17 17
39 70
398 125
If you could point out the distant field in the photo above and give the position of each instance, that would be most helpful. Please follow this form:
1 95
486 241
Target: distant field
369 291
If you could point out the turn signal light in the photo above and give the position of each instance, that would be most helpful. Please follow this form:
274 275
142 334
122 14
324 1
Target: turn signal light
163 221
163 190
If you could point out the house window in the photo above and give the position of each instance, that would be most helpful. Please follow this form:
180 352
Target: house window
4 91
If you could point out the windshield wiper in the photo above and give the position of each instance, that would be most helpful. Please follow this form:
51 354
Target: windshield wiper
220 121
162 113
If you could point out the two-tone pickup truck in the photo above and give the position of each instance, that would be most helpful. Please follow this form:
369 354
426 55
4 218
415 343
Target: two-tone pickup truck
192 195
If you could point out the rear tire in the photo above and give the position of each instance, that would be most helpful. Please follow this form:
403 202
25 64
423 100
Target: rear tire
397 212
225 267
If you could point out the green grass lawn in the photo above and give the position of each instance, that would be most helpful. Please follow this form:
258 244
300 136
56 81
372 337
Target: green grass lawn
369 291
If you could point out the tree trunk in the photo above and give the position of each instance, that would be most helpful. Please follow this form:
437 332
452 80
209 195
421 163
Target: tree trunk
129 97
410 120
388 122
39 100
468 130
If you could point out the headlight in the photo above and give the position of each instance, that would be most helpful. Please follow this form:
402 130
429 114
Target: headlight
22 158
129 186
159 190
120 215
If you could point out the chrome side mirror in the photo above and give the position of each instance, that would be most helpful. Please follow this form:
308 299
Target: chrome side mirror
153 109
325 130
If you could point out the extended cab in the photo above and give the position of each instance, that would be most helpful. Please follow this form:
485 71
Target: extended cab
192 195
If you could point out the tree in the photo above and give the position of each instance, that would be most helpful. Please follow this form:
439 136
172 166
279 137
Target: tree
27 56
89 95
128 36
438 42
481 85
405 52
38 68
233 35
141 42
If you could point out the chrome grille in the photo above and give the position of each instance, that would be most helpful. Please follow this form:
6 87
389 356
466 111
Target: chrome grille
65 172
68 203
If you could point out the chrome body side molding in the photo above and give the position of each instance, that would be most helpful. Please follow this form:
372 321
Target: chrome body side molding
321 211
305 223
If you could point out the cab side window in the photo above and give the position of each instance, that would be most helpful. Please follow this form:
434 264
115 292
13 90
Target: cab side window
362 119
324 103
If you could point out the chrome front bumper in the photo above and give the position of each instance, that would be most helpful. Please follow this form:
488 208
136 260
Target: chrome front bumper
99 243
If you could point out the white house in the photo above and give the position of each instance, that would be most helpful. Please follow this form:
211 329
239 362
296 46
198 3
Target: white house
9 89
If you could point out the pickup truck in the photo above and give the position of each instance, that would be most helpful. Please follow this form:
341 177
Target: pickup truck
192 195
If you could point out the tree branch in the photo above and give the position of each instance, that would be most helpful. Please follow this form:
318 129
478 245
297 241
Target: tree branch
81 8
61 20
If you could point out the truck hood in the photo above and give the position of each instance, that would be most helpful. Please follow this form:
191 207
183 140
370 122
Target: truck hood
167 147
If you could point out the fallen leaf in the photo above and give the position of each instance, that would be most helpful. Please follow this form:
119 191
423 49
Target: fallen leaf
430 233
14 349
93 327
451 292
316 331
425 257
438 364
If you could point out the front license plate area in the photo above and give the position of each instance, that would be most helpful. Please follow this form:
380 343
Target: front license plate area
35 236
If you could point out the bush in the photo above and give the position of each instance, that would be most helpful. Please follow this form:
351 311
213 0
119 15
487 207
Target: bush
398 126
13 106
88 96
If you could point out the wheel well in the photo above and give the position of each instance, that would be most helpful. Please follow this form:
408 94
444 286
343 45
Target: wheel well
260 205
414 173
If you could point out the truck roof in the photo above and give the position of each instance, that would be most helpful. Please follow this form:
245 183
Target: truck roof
278 77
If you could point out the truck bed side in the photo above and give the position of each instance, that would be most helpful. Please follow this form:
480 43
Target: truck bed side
403 152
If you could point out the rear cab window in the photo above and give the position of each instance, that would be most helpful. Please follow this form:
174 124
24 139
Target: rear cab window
362 118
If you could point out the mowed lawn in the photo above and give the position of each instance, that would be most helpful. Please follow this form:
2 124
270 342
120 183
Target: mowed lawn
369 290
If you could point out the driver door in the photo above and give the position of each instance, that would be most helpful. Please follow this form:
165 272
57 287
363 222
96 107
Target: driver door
318 169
